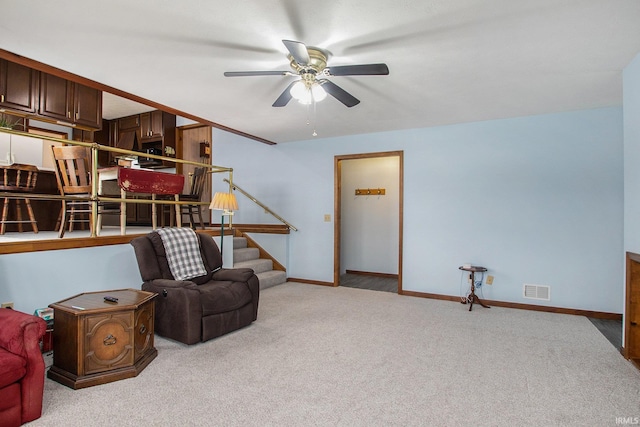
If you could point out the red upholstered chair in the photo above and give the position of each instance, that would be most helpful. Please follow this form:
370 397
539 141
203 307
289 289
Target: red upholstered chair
21 367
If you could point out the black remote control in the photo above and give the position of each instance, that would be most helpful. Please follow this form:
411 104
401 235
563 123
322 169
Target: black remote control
110 299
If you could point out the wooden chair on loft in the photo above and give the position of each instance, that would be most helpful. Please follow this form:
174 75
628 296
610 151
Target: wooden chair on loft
18 179
196 190
74 180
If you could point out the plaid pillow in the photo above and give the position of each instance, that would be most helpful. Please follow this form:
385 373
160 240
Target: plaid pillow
183 252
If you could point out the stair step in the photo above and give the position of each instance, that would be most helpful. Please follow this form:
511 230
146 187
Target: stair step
245 254
271 278
259 265
246 257
239 242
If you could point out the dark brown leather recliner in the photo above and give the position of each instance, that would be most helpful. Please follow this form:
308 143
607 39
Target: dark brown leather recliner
202 308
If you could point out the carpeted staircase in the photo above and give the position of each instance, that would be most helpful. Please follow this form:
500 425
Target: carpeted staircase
244 256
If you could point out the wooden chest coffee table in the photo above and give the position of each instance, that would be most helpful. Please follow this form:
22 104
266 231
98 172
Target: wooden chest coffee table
96 341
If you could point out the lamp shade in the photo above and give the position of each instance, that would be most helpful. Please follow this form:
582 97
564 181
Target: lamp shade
224 202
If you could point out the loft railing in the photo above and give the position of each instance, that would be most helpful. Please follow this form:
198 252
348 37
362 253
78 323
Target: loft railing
95 197
262 205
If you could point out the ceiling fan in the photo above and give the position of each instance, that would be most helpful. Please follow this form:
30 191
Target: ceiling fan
310 63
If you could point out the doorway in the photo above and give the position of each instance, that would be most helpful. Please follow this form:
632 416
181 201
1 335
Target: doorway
368 220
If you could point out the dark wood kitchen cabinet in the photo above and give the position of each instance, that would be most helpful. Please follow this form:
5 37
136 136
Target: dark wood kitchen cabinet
70 102
87 103
107 136
82 135
163 137
18 87
54 97
151 125
129 123
139 213
154 130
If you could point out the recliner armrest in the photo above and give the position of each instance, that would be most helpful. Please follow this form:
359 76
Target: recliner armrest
168 283
233 274
178 309
20 331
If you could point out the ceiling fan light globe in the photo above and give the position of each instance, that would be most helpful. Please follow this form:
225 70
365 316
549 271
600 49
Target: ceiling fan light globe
299 91
318 92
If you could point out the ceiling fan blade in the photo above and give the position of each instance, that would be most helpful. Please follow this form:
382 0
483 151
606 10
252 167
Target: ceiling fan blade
256 73
298 50
285 96
359 70
338 93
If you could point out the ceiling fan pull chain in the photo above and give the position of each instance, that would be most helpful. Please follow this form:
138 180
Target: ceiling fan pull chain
313 101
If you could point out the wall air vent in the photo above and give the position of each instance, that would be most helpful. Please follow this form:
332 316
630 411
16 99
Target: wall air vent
541 292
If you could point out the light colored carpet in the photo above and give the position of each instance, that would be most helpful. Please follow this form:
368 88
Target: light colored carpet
350 357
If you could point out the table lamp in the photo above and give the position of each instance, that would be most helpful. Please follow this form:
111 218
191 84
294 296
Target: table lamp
226 202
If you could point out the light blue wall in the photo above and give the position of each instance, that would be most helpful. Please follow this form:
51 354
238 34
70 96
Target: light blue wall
37 279
631 95
536 200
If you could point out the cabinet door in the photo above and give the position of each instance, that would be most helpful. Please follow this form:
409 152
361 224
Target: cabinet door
143 331
55 97
138 213
129 123
157 124
102 137
108 342
144 214
113 139
82 135
87 106
113 132
151 124
132 214
18 87
169 137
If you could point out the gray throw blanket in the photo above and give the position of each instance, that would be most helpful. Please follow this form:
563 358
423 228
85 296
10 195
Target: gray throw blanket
183 252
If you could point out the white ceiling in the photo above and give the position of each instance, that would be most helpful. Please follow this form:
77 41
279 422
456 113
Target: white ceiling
114 107
450 61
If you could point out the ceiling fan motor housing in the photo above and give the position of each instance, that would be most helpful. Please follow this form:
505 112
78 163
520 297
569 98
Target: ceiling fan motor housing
317 62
